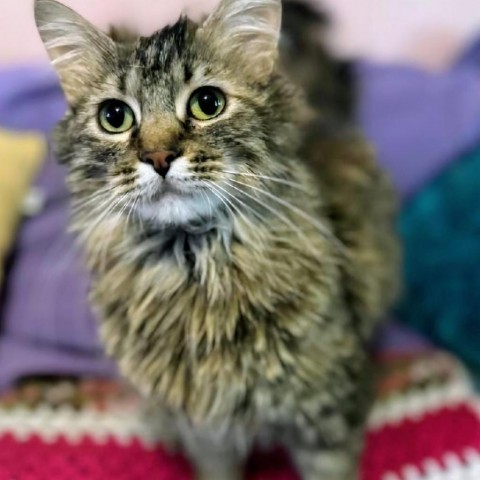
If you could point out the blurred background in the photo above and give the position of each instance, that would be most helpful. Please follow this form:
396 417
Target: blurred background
429 32
415 66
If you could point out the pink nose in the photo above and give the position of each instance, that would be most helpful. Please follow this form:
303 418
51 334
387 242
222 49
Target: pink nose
160 161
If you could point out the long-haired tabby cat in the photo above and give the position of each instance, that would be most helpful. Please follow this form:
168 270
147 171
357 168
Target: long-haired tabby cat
240 257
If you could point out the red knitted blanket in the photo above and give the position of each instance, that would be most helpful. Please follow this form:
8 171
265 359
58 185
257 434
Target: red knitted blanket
425 426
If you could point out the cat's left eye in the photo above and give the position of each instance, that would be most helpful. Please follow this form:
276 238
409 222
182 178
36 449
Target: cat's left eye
206 103
115 116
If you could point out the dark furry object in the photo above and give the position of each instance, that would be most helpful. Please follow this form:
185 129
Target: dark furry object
240 257
328 82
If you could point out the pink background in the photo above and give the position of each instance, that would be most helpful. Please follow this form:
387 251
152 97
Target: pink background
424 31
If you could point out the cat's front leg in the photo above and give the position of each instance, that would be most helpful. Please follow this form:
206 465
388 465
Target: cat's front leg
214 463
325 464
218 470
162 424
214 455
339 462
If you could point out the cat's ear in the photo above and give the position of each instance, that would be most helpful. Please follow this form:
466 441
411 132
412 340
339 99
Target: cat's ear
76 48
249 28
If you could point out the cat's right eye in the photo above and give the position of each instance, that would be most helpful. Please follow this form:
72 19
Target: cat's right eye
115 116
206 103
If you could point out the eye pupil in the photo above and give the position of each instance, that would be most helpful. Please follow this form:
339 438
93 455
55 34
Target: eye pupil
209 102
115 114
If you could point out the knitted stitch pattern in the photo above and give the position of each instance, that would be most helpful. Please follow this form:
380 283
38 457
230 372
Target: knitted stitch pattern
425 426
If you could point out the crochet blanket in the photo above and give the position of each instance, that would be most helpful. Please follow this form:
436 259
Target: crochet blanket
425 425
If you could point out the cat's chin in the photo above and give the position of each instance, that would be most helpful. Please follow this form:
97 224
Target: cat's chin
175 209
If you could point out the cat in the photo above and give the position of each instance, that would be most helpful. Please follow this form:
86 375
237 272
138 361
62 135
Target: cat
241 253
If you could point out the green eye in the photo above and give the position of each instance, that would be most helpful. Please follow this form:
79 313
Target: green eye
115 116
206 103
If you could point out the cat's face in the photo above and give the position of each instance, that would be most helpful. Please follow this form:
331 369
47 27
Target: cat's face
178 126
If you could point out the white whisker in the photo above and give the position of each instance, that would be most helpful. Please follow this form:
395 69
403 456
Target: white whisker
281 217
273 179
322 229
242 203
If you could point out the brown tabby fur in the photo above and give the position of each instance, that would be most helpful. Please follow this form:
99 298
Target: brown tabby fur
238 295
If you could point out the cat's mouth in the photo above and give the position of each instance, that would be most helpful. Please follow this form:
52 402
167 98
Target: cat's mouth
170 189
171 206
176 202
155 187
175 198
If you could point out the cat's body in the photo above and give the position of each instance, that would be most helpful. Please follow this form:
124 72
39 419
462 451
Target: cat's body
237 282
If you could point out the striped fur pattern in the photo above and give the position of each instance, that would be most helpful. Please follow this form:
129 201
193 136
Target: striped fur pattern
238 292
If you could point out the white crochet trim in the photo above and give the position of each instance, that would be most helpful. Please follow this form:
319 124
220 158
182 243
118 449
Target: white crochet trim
414 405
454 467
50 424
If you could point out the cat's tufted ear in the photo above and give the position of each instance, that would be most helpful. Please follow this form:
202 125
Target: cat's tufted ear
248 29
76 48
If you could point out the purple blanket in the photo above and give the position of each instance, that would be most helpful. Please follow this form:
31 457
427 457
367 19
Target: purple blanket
418 121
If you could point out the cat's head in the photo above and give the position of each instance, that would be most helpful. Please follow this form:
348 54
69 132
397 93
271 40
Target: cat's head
179 126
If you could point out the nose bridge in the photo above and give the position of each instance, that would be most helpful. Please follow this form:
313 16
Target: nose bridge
159 133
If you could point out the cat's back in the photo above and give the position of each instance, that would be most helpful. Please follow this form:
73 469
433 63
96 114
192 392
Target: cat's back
361 204
357 195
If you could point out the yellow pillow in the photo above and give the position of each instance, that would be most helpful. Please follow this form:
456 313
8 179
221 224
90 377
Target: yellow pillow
20 156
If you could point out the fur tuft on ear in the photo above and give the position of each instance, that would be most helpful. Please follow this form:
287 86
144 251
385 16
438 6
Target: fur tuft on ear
249 29
76 48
